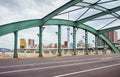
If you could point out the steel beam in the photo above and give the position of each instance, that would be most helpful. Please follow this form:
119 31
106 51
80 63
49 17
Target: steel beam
59 40
97 7
109 29
86 42
60 9
40 42
104 48
98 15
15 55
86 4
12 27
74 40
109 43
96 44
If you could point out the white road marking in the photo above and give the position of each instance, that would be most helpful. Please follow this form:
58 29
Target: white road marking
106 58
47 63
52 62
73 73
23 70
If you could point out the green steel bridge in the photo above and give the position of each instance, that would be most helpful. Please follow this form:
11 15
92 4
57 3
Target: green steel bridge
76 24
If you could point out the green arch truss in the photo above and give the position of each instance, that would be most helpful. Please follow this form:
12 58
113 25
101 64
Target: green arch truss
9 28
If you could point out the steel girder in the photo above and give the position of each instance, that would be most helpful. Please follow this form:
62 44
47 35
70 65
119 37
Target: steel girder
62 8
96 44
94 6
8 28
74 40
108 29
97 7
15 55
12 27
59 41
109 43
86 4
40 41
86 42
98 15
33 23
93 31
73 2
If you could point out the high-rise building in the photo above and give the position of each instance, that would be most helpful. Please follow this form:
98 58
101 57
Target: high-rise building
112 36
22 43
67 43
31 43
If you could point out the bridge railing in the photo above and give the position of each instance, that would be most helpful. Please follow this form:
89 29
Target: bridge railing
52 52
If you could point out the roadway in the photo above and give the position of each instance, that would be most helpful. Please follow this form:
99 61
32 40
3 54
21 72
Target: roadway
74 66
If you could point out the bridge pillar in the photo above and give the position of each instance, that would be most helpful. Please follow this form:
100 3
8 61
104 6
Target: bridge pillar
104 48
86 42
15 55
40 41
59 40
96 44
74 40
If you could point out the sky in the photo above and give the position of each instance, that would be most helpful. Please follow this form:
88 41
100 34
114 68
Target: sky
19 10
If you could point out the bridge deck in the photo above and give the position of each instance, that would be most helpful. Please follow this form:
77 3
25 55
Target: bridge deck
75 66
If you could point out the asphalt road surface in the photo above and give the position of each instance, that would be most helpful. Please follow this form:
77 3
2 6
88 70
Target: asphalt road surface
74 66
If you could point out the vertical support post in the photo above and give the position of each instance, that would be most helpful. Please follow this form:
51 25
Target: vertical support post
74 40
59 40
96 44
86 42
15 44
104 47
40 41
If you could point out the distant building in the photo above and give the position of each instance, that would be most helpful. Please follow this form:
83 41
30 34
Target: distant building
4 49
36 46
63 46
71 45
112 36
67 44
31 43
22 43
90 45
118 42
51 45
80 44
44 46
56 45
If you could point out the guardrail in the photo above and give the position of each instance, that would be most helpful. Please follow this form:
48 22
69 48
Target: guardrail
51 52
